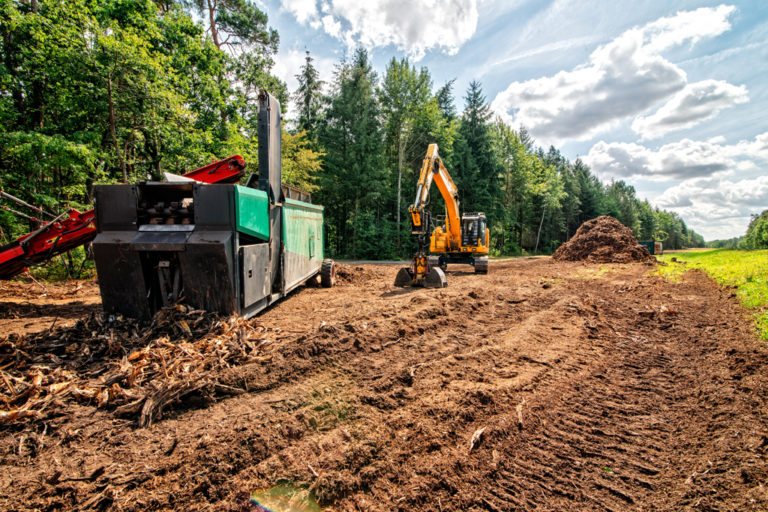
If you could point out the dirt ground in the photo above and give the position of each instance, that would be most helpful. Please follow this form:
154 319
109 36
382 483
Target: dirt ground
541 386
30 307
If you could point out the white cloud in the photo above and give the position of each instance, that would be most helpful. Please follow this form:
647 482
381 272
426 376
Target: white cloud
331 26
412 26
303 10
697 102
681 160
692 26
719 186
725 194
717 208
622 78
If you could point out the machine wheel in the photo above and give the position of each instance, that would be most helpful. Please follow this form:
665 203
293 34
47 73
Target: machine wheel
481 265
328 273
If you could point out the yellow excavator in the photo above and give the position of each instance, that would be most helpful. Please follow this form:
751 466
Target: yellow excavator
459 239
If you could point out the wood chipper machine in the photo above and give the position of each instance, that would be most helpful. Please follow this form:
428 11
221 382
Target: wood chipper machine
204 240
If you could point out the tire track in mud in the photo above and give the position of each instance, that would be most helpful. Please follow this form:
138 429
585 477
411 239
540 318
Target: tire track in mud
598 443
395 375
614 438
450 410
590 398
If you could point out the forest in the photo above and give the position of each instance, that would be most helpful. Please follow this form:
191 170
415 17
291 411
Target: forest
756 236
114 91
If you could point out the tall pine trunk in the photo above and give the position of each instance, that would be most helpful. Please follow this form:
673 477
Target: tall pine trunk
400 157
541 223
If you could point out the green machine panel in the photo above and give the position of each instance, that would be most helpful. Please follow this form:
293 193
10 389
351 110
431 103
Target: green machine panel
303 241
252 210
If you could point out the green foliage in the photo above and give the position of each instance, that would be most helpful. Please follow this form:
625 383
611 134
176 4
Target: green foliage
476 170
301 164
757 232
353 181
75 264
309 98
411 121
122 90
747 272
730 243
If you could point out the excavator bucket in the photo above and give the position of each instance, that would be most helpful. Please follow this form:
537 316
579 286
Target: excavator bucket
435 278
404 277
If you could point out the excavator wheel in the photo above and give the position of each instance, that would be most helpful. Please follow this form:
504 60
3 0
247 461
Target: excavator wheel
435 278
404 277
481 265
438 261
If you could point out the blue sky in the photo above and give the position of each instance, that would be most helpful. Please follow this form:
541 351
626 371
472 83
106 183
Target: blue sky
668 96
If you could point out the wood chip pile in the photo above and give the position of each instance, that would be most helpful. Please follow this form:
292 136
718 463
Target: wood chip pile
603 240
118 364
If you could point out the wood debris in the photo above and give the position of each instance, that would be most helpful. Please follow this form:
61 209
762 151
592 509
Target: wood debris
121 365
476 438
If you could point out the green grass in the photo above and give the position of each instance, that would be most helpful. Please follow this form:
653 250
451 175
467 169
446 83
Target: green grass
745 271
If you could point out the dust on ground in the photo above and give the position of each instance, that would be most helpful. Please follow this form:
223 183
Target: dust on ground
603 240
543 385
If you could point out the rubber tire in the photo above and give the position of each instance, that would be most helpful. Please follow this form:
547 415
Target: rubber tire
328 273
481 265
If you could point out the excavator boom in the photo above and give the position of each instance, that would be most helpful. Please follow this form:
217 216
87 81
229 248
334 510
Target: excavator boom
432 169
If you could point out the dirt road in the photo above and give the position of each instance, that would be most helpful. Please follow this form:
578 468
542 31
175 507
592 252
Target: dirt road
540 386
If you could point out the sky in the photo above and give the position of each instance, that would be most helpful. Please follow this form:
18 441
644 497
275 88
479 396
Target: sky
669 96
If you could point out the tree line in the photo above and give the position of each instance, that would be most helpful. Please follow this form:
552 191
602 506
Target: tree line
373 134
756 236
122 90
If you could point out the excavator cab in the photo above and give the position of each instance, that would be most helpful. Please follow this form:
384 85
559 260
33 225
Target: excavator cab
473 228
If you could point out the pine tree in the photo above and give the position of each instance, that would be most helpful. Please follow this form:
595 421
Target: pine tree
476 170
445 101
308 97
404 97
354 177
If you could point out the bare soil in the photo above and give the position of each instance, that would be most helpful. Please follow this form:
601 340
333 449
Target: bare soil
26 306
543 385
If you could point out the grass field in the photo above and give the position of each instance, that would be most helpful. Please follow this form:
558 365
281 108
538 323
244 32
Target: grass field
746 271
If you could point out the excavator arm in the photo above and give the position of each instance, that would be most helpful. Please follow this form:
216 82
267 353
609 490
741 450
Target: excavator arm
432 169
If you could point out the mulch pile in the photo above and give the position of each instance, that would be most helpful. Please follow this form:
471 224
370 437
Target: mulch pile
603 240
347 274
119 364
